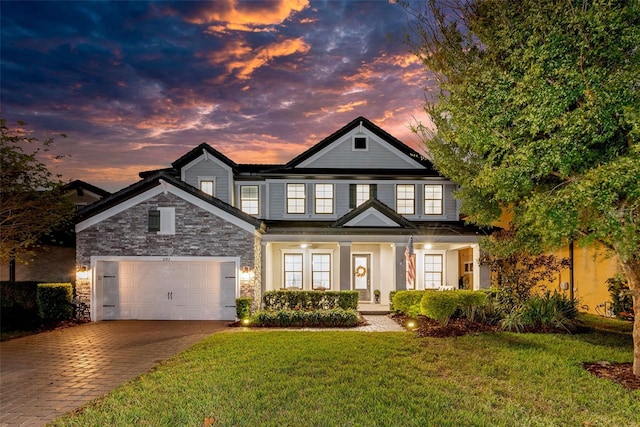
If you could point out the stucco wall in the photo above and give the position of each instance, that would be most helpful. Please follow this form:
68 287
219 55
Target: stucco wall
198 233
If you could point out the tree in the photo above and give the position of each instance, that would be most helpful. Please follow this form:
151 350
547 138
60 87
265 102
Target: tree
31 202
537 111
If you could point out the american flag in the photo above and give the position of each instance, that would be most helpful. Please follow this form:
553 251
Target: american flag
410 258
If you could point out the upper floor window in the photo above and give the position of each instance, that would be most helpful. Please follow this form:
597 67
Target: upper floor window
162 220
324 198
296 198
293 271
360 193
432 271
433 199
321 271
405 199
249 199
360 143
207 186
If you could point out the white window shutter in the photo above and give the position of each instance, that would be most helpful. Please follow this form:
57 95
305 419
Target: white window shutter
167 220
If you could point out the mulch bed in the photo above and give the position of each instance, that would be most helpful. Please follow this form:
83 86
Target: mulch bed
620 373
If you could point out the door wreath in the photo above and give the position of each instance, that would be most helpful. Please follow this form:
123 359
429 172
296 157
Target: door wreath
361 271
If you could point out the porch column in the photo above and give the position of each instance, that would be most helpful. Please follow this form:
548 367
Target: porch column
401 269
481 274
266 268
345 266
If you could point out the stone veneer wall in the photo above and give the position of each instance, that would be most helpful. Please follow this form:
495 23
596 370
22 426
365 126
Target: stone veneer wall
198 233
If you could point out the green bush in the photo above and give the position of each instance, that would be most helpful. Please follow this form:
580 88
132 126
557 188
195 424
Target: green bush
548 310
243 308
621 299
54 301
469 302
391 295
440 305
18 303
408 302
300 318
310 300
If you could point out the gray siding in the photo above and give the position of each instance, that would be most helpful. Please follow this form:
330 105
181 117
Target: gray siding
377 156
211 168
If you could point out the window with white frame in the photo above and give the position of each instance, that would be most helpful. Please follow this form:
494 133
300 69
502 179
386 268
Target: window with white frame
360 143
432 271
296 198
324 198
293 271
321 271
405 199
249 199
433 199
207 186
363 193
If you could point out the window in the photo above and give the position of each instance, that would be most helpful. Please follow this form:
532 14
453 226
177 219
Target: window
321 271
249 201
432 271
324 198
206 185
293 271
433 199
360 143
162 221
405 199
360 193
154 220
295 198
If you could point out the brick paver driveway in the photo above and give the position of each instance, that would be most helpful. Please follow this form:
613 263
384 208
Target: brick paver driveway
46 375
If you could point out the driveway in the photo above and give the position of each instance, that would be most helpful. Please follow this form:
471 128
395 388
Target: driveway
46 375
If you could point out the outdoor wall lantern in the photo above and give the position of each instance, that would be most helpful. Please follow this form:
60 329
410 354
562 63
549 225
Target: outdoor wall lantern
82 273
246 274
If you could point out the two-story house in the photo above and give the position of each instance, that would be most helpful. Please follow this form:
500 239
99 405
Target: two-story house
359 210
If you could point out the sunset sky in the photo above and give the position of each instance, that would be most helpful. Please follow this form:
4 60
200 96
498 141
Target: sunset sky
135 85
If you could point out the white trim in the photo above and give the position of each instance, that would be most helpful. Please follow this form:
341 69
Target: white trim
154 192
207 178
372 212
353 143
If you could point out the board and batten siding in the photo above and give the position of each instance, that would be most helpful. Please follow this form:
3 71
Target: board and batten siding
207 168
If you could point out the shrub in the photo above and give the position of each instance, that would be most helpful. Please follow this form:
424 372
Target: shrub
621 299
310 300
243 308
408 302
491 312
315 318
548 310
469 301
54 301
440 305
391 295
18 303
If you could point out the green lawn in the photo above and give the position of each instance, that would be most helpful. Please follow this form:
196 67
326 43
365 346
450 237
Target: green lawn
287 378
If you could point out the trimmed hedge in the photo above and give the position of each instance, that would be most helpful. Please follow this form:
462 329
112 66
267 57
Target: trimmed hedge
441 305
243 308
54 301
18 302
336 317
408 302
310 300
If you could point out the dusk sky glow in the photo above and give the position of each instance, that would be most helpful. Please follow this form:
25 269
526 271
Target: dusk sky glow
135 85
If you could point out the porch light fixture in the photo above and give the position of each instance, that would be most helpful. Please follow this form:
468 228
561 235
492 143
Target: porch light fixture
427 246
304 245
82 273
245 274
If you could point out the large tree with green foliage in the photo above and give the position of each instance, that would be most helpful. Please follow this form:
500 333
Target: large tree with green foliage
536 109
31 202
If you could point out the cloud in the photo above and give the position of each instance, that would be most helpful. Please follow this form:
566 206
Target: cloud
232 15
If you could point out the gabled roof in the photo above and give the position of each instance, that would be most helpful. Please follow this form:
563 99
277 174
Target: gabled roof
390 139
79 186
154 180
383 215
198 151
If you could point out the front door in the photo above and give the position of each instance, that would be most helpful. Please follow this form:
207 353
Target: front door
362 276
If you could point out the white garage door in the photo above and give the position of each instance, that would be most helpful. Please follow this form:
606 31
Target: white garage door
171 290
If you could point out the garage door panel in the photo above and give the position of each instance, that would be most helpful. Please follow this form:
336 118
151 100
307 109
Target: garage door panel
180 290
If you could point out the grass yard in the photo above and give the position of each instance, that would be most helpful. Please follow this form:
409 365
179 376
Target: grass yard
290 378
